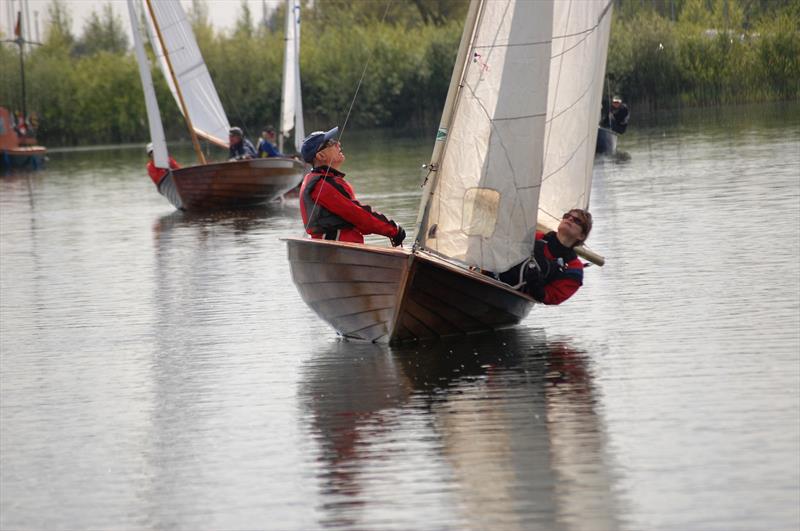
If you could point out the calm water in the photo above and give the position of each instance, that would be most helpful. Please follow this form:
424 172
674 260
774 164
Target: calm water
160 371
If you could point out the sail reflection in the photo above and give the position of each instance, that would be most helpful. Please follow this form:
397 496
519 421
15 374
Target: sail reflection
506 426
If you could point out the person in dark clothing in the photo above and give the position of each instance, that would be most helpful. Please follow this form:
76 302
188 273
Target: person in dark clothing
266 144
616 118
240 148
328 202
554 273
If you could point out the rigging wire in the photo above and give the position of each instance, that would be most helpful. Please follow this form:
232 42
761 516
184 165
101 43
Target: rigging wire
349 111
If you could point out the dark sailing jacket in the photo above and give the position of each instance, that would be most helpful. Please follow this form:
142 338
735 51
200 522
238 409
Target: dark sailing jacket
565 271
330 210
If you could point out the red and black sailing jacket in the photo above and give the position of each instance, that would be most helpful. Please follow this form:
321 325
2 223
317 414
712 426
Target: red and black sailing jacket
567 279
330 210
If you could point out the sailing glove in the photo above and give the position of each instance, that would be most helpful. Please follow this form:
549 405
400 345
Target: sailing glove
398 238
534 281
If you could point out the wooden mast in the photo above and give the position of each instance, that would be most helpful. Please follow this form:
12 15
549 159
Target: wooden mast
195 142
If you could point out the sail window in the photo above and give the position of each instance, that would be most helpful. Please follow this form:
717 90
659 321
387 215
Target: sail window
480 212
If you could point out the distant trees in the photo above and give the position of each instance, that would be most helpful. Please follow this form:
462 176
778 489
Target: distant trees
663 53
705 52
103 33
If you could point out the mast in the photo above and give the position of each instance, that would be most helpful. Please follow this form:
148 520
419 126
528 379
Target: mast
195 142
286 29
291 116
447 116
20 43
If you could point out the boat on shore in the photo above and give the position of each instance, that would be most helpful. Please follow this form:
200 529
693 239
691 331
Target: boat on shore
18 151
207 185
514 150
18 146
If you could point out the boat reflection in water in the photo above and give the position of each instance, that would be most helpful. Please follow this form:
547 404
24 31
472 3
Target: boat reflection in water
499 431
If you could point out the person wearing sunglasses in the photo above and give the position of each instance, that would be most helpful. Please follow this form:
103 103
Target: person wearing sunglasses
554 273
328 202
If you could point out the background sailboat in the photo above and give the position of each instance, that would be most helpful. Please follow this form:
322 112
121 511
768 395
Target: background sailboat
514 150
18 146
291 94
206 186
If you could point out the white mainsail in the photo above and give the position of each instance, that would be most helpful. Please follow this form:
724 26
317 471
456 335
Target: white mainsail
157 136
291 96
486 193
199 94
522 134
581 30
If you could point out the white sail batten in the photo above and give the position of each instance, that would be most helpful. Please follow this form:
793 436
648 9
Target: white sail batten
581 30
484 203
160 157
199 94
292 100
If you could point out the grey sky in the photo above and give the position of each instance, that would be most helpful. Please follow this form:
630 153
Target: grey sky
223 13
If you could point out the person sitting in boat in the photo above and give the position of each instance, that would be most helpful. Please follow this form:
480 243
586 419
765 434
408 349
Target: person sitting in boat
266 144
617 117
554 273
157 174
240 148
328 202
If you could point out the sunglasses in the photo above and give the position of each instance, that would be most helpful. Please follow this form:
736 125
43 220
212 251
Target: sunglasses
576 220
329 143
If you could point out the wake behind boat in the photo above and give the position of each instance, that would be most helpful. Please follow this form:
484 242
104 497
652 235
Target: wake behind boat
514 149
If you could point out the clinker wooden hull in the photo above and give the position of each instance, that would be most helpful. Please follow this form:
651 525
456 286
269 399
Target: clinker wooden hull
234 184
382 294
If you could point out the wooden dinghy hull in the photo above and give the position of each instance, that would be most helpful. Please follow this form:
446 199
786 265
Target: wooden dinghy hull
383 294
234 184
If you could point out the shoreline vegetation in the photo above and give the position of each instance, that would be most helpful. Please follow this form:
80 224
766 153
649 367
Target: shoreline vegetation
663 54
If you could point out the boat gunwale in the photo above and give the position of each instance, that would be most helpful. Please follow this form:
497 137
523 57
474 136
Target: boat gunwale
420 255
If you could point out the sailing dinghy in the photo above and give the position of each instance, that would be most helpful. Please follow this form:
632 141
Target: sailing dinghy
514 151
205 186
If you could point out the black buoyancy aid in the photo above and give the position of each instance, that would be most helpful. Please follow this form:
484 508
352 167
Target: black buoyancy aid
568 256
320 219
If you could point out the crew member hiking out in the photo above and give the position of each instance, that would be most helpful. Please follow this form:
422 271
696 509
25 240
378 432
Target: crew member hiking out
554 273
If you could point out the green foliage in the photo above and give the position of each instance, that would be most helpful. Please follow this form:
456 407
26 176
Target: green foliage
106 34
662 53
709 56
643 65
778 51
59 35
